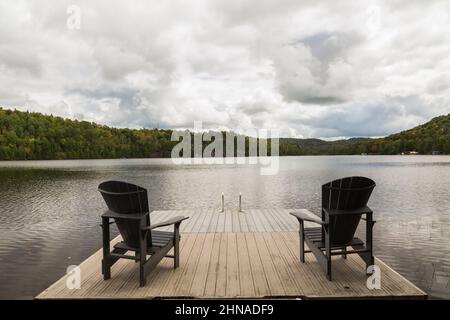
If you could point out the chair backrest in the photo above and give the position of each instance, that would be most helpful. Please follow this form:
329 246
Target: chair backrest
346 194
126 198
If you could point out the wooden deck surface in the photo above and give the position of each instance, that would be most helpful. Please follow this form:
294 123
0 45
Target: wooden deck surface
253 254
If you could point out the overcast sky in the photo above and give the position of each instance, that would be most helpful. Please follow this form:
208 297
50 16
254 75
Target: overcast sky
309 68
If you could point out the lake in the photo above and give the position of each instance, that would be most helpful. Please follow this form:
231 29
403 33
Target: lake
49 210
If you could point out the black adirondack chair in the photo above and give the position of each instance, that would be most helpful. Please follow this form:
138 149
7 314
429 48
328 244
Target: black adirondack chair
344 202
128 207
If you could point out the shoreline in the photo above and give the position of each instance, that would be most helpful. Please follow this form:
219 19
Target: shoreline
281 156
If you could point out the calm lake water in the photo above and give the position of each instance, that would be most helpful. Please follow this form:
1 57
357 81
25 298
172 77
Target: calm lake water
49 210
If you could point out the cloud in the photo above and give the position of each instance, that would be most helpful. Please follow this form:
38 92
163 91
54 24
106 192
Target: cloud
310 68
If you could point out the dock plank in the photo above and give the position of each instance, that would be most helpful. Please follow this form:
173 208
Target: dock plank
201 273
275 286
233 286
256 267
246 282
210 285
221 280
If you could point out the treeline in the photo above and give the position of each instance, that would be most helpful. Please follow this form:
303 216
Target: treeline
34 136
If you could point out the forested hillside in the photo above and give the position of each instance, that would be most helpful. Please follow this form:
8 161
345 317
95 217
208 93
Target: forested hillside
26 135
32 136
431 136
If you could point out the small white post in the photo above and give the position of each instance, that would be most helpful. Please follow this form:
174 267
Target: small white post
223 203
240 202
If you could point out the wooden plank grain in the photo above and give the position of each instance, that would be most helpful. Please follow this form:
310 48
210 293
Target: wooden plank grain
184 285
210 285
221 279
256 266
228 225
236 227
214 220
173 283
243 226
221 222
245 273
287 279
201 272
272 278
233 285
168 275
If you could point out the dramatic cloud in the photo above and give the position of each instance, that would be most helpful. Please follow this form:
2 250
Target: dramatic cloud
309 68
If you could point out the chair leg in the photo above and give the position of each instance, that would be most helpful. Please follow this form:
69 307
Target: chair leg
106 267
142 258
327 237
344 255
329 268
302 242
370 260
106 270
142 278
176 248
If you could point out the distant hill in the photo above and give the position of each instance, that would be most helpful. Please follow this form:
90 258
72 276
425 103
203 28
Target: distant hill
433 136
33 136
290 146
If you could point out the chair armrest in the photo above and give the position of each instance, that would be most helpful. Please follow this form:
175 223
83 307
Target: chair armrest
126 216
172 221
335 212
304 217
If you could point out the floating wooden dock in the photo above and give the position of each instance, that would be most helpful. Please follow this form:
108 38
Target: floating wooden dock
250 254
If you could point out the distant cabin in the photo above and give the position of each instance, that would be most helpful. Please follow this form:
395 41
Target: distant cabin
413 153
